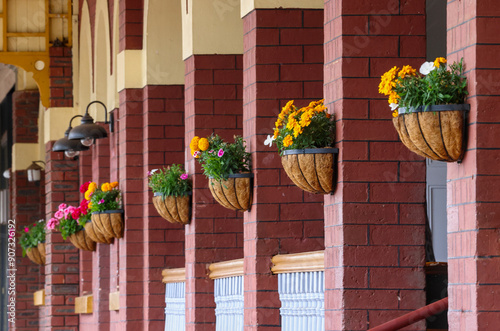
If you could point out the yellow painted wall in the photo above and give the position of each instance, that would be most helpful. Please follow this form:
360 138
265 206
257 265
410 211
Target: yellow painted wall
211 27
249 5
162 43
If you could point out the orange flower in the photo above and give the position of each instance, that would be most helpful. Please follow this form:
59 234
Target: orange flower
113 184
287 141
203 144
438 61
105 187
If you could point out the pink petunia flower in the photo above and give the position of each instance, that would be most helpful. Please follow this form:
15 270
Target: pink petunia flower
184 176
59 214
211 151
221 152
26 229
100 201
52 223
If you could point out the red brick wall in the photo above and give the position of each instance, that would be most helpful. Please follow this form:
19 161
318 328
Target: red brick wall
131 248
61 77
62 261
213 103
27 201
283 61
131 24
27 208
375 222
25 106
473 203
163 144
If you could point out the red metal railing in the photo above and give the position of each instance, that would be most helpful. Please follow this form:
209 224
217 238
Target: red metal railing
414 316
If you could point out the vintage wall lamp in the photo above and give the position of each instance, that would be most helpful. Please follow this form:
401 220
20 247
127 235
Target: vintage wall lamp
70 148
88 131
34 171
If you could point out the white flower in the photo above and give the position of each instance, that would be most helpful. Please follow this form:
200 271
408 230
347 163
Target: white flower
394 106
427 67
269 141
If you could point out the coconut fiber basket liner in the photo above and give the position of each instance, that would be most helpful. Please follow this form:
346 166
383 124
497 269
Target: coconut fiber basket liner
173 209
109 223
438 133
41 250
82 240
35 256
311 169
95 234
234 193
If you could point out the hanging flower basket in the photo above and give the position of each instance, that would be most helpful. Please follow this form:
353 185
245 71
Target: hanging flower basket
34 255
82 240
41 250
173 209
95 234
311 169
109 223
438 133
234 193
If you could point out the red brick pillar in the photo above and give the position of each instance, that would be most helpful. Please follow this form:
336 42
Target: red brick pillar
62 261
213 103
99 268
114 250
61 77
473 251
131 263
375 222
28 199
85 174
283 61
163 145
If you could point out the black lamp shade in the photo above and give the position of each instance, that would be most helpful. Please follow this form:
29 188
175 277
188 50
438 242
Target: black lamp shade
64 144
86 130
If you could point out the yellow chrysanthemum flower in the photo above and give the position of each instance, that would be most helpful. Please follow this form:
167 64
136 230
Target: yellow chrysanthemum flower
291 121
92 187
393 98
287 141
287 107
113 184
407 70
276 133
194 143
88 194
395 113
90 204
203 144
438 61
105 187
388 81
305 119
278 123
297 129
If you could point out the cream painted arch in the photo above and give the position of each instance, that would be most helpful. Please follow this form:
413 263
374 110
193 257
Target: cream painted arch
162 44
85 60
113 96
102 58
